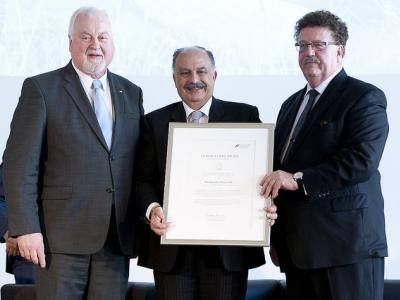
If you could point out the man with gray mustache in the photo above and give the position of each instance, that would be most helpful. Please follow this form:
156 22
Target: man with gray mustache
330 236
190 272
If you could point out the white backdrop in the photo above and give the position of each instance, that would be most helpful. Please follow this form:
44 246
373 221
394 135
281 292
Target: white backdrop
253 46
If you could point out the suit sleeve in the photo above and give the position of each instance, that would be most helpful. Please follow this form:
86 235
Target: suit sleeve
1 181
141 109
147 172
255 116
22 160
365 129
3 219
3 209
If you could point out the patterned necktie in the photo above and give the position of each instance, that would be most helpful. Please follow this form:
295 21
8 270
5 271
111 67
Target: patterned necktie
312 95
195 116
104 117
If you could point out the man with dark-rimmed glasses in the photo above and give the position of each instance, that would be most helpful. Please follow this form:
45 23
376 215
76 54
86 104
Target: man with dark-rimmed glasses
330 236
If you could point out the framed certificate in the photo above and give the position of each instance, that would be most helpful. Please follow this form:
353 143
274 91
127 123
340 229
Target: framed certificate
211 194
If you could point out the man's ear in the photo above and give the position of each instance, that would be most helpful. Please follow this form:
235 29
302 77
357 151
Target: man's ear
70 41
341 51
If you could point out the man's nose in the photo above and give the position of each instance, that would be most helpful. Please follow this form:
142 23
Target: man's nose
309 50
194 77
95 44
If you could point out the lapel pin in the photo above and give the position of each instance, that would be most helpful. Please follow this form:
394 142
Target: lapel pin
323 123
121 92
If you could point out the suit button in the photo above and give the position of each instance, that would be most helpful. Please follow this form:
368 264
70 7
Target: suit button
112 157
110 190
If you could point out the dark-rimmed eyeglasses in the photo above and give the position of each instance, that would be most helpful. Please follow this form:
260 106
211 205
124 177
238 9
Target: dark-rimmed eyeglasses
315 45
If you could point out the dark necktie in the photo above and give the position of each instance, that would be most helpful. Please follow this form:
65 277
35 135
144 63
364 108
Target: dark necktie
310 103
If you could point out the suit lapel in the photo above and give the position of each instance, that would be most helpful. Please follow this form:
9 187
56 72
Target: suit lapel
74 88
329 96
178 114
117 97
216 111
286 120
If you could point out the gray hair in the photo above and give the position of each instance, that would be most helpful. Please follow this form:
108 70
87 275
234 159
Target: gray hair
184 49
85 10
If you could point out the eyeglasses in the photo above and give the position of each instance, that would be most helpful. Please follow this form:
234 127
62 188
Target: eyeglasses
315 45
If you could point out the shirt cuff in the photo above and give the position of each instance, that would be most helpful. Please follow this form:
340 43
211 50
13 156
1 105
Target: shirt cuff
151 206
304 189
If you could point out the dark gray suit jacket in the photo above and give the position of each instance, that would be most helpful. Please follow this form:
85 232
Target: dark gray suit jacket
150 183
341 219
24 270
59 176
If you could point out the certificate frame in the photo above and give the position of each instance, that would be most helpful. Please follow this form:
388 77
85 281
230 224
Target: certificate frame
259 139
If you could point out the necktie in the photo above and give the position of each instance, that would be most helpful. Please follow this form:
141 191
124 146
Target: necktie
312 95
195 116
104 117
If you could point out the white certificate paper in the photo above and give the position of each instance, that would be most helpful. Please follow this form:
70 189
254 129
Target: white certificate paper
211 194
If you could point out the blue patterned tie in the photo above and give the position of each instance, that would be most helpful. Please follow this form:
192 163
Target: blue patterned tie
195 116
104 117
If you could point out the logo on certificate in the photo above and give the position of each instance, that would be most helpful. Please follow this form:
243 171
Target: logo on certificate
242 146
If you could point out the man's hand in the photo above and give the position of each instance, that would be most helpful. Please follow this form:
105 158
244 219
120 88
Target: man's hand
273 182
271 214
12 247
31 248
157 221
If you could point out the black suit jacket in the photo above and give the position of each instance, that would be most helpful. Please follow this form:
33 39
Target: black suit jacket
151 175
341 219
59 176
1 181
3 209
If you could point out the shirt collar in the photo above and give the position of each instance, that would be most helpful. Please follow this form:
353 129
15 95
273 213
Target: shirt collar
324 84
205 109
87 81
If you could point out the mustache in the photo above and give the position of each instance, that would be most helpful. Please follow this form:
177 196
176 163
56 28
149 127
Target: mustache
311 59
94 52
195 85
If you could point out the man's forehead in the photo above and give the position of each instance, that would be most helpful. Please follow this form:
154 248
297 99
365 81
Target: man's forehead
193 54
190 67
315 30
193 61
93 20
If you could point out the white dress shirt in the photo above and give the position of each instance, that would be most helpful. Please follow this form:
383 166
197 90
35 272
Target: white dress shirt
87 82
